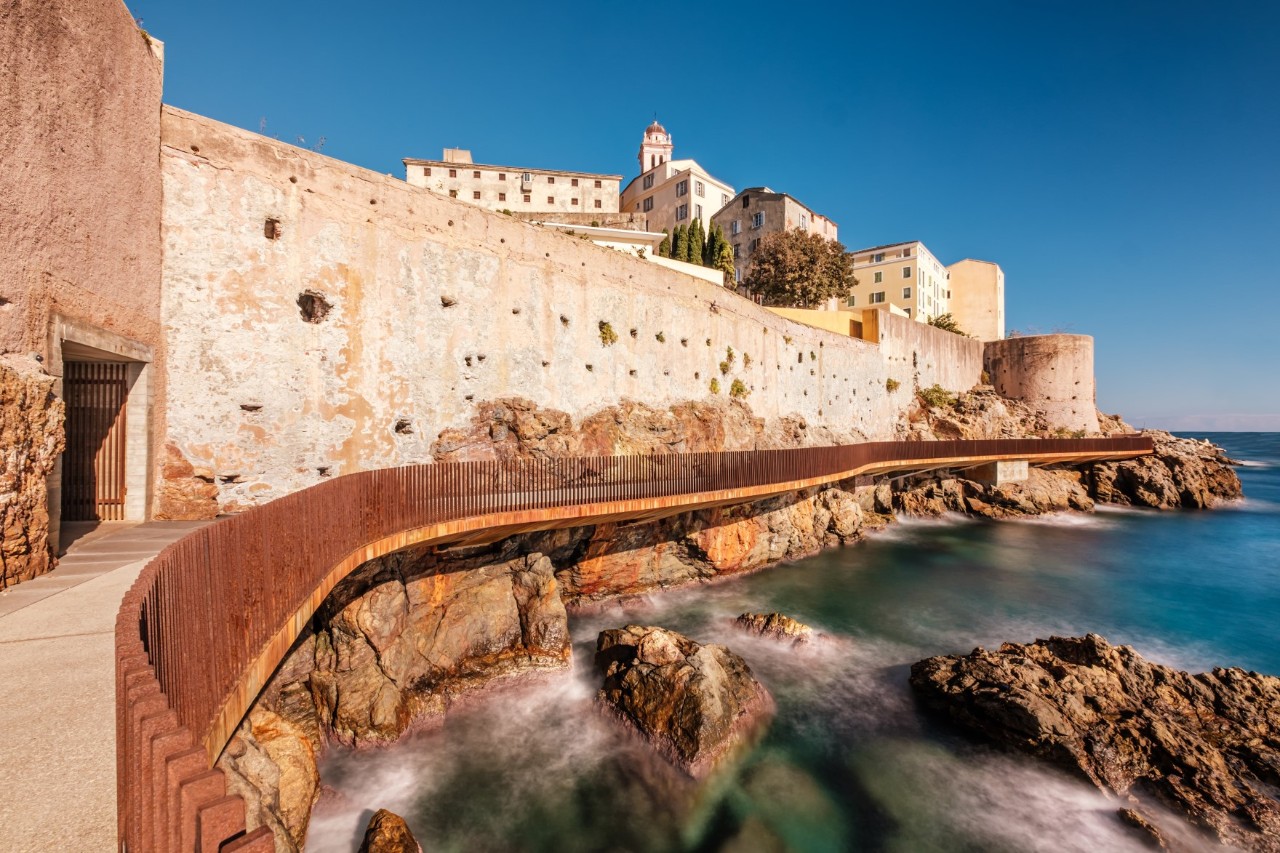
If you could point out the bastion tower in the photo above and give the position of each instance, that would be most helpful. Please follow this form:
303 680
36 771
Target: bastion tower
656 147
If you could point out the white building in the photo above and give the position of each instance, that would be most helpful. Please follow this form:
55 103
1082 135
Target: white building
671 192
513 188
904 275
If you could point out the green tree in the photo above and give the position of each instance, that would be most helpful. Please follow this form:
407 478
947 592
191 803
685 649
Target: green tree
711 252
799 268
697 241
724 262
947 323
679 244
664 248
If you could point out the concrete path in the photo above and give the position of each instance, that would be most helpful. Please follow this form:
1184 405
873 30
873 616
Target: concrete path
57 692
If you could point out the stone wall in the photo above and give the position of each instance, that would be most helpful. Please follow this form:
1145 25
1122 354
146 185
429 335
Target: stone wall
1050 373
928 355
31 438
369 317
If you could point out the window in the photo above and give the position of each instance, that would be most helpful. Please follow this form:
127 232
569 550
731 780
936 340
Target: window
502 176
735 227
453 173
724 200
598 204
573 182
906 293
852 301
648 182
877 297
476 173
682 212
746 201
598 185
453 193
737 250
879 277
551 199
426 171
906 253
476 194
502 196
877 257
700 189
906 272
757 220
697 211
947 293
574 202
804 222
528 197
648 204
551 179
755 244
682 188
527 177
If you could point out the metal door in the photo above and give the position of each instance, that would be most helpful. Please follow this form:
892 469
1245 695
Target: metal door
93 463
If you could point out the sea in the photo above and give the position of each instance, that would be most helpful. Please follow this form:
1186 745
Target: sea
849 761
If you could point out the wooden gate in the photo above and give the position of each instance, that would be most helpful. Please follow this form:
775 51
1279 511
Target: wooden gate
93 465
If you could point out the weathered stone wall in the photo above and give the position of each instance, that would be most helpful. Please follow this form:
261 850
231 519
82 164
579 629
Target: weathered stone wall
31 438
929 355
378 316
1050 373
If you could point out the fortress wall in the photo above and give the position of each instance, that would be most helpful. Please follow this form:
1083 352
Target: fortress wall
435 307
1050 372
935 356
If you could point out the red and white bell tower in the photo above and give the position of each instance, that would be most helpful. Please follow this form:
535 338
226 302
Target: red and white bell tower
656 147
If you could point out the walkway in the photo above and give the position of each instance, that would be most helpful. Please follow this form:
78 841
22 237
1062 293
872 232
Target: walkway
57 674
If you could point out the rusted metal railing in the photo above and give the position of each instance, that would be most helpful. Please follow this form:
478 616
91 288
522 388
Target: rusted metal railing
212 615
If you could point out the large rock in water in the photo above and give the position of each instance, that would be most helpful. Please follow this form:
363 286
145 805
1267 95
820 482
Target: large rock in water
1207 745
388 833
776 626
694 703
1180 472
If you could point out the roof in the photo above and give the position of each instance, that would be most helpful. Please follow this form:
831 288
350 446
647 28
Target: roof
885 246
655 128
413 161
678 166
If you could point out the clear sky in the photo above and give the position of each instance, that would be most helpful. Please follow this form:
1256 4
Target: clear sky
1120 160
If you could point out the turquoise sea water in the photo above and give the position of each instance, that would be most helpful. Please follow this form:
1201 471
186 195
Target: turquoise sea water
849 763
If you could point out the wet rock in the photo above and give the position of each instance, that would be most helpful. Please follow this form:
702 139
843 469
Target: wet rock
1180 473
1206 745
776 626
388 833
1149 833
697 704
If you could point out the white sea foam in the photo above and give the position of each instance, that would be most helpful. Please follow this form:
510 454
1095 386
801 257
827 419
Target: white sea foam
1068 519
1251 463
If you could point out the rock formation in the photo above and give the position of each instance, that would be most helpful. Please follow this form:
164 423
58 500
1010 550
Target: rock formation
776 626
388 833
1182 473
31 438
694 703
1207 745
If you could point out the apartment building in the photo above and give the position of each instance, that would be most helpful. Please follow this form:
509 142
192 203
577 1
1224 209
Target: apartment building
904 275
977 298
671 192
513 188
758 211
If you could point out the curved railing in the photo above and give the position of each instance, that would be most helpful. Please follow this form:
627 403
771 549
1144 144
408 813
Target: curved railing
210 618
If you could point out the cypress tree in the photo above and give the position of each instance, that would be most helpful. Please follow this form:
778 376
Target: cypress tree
680 244
664 248
697 242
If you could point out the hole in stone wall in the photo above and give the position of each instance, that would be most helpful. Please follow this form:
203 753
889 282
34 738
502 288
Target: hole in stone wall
447 302
250 407
271 229
404 426
313 306
323 470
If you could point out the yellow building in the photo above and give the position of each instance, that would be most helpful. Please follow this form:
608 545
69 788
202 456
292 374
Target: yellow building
670 192
977 298
513 188
905 276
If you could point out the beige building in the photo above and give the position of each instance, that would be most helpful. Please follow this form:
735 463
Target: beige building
512 188
903 275
671 192
977 298
758 211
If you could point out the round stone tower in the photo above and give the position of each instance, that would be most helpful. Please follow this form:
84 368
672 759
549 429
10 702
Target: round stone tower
656 147
1053 373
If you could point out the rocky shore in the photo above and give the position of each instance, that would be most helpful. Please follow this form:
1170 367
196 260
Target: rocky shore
407 636
1206 746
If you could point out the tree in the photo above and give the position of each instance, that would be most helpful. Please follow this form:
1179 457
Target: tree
799 268
711 252
679 244
947 323
697 240
664 248
724 261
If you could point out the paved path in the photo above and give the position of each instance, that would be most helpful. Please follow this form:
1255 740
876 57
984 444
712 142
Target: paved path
57 692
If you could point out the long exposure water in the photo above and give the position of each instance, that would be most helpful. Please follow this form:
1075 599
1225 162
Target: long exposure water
849 763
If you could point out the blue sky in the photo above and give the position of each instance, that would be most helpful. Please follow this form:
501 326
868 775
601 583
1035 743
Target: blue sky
1120 160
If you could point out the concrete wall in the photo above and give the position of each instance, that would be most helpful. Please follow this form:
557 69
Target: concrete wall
927 355
977 298
434 307
1051 372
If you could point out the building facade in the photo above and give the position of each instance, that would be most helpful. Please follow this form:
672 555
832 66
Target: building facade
671 192
977 298
904 275
758 211
513 188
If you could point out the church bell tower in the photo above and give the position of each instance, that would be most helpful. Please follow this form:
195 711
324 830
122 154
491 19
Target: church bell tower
656 147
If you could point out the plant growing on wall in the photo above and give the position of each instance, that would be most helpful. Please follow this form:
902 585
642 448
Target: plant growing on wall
608 337
715 385
738 390
891 385
662 337
936 397
947 323
746 360
725 367
800 269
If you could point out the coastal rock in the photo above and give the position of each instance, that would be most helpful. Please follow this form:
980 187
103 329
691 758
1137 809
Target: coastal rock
272 764
1044 491
388 833
31 437
1181 473
776 626
1207 745
694 703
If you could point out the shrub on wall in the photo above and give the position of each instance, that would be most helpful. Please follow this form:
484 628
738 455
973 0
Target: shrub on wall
738 390
936 397
608 337
715 385
891 385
